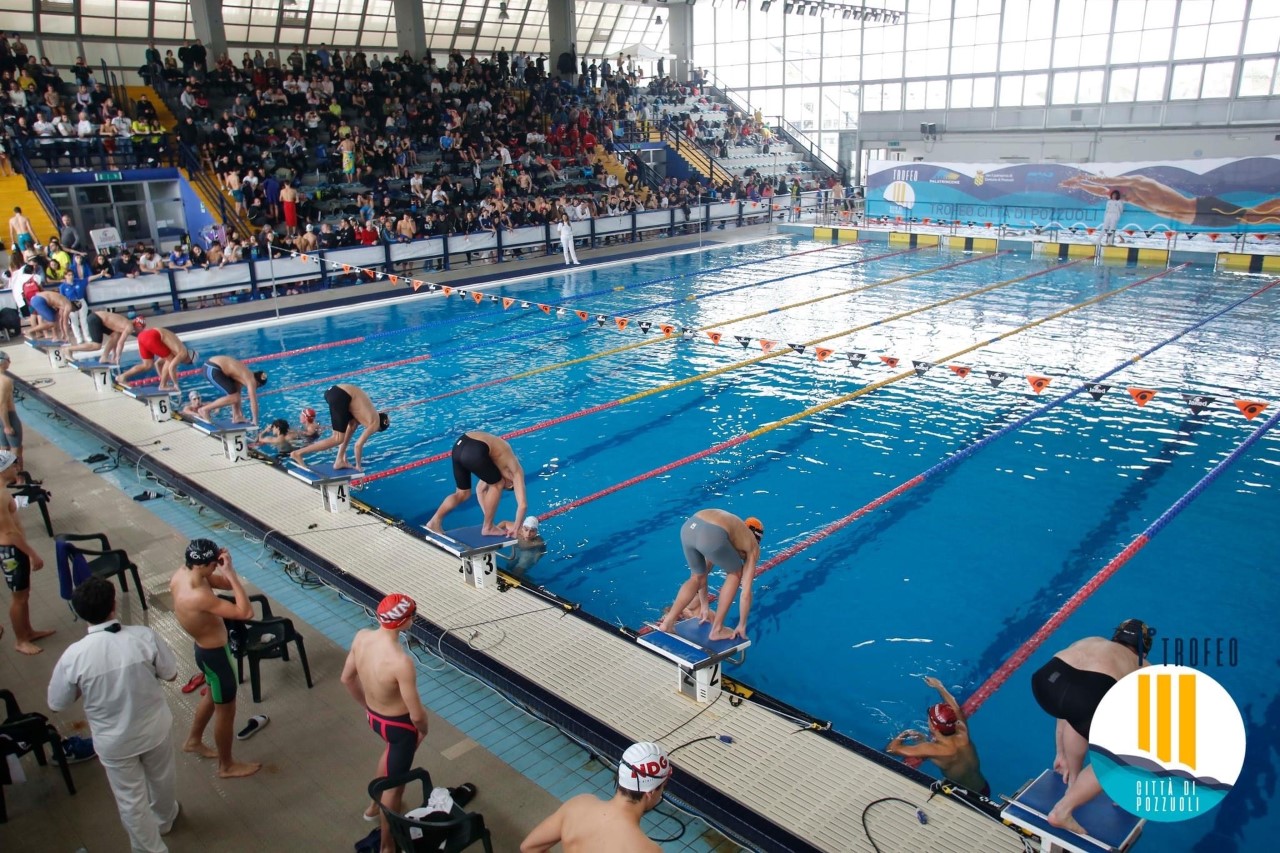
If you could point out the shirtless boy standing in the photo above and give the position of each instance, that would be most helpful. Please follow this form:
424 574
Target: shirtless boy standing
17 561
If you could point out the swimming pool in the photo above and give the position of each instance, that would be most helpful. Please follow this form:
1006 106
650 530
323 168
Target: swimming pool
945 580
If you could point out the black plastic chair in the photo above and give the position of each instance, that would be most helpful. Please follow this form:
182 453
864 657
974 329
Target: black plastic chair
262 639
34 492
456 832
23 733
106 562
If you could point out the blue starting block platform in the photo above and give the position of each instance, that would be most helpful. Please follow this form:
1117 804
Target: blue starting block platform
696 655
52 349
159 403
1110 828
334 483
99 372
476 551
234 437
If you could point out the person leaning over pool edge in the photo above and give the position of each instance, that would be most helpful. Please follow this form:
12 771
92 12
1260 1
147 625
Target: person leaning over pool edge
713 537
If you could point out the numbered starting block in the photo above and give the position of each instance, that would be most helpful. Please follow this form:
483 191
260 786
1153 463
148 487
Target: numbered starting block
696 655
99 372
1110 828
159 403
477 552
235 441
52 349
334 484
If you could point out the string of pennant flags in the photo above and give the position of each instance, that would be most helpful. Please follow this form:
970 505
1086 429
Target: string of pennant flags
1079 228
1196 403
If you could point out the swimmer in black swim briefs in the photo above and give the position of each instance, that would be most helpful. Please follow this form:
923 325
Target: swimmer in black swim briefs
471 456
490 458
349 409
219 673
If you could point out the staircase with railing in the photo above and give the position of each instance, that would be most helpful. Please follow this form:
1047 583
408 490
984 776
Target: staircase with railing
698 158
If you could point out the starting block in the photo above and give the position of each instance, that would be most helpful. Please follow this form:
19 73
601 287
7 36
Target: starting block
235 443
478 569
159 403
1110 828
696 655
53 349
99 371
334 484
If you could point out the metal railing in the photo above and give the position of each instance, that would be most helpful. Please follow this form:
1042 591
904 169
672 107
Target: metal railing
697 157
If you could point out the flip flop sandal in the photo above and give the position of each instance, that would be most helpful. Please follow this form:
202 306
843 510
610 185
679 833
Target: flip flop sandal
196 681
256 724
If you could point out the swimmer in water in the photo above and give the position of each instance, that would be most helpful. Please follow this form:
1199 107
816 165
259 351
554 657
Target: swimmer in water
949 746
528 550
277 435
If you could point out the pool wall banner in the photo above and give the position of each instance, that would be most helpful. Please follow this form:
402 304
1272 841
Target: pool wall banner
1224 196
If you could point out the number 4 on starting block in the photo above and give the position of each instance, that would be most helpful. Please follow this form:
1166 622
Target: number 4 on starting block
334 484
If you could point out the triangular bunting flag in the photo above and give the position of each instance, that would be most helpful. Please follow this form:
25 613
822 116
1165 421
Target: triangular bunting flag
446 290
304 258
922 367
715 336
562 312
526 304
746 342
797 348
645 326
767 345
1142 396
1197 403
667 329
346 268
417 285
478 297
1250 408
962 372
601 320
995 377
855 358
393 279
545 309
462 294
493 298
890 360
583 316
507 302
1038 383
621 323
1096 390
823 354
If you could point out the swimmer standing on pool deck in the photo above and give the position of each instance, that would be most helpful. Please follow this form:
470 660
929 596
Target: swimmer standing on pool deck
380 676
349 407
231 376
713 537
492 460
201 613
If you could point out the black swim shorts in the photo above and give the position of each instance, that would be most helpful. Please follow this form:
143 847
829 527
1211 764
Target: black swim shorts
215 375
219 673
16 566
97 331
1070 694
339 408
401 737
471 456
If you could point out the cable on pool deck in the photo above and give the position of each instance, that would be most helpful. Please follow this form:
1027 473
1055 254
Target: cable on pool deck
837 401
1023 652
488 342
525 374
420 326
679 383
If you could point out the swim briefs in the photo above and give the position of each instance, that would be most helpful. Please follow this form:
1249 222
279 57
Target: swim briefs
16 566
151 345
215 375
43 308
401 737
339 408
219 673
471 456
95 328
13 442
705 542
1070 694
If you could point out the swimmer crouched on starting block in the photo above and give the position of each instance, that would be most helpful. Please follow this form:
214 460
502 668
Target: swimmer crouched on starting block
349 408
108 333
713 537
492 460
230 376
163 350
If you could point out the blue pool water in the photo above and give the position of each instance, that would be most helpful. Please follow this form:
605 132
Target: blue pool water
947 580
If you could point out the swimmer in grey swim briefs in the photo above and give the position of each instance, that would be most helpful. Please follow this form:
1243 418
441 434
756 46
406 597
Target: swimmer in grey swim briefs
704 542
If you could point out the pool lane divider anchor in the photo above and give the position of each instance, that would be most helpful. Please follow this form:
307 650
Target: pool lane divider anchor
159 403
334 484
476 551
234 436
697 657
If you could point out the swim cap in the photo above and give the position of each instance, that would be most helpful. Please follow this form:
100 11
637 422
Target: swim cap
644 767
1135 634
7 458
531 522
260 376
384 421
139 324
396 611
755 526
194 398
201 552
943 718
308 415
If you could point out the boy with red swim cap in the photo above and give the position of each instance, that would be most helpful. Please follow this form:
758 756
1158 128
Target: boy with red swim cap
380 675
950 747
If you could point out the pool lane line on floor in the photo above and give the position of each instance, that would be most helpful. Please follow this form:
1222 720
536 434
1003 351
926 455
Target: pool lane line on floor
471 288
525 374
708 374
1023 652
829 404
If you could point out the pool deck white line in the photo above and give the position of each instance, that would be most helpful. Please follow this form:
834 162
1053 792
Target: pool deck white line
802 782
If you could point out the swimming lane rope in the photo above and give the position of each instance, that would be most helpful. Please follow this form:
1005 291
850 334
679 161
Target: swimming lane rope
679 383
837 401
